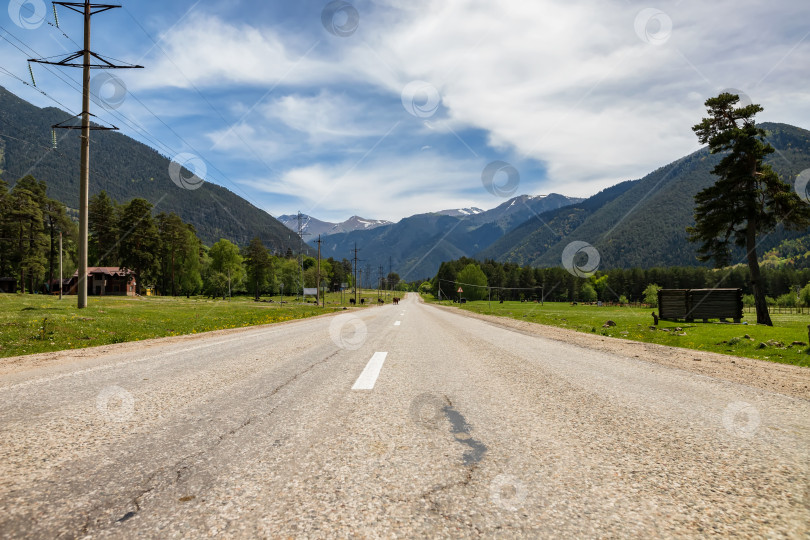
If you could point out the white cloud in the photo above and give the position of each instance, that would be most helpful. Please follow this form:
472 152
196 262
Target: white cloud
323 117
387 187
569 85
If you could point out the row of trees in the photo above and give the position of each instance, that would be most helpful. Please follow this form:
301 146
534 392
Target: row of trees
166 253
30 224
512 282
162 251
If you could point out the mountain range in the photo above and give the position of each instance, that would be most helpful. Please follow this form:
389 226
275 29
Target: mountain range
415 246
635 223
315 227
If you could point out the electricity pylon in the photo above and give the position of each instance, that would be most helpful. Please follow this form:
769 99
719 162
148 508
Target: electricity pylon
90 60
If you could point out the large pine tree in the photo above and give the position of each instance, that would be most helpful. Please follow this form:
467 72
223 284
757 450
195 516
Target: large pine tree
748 199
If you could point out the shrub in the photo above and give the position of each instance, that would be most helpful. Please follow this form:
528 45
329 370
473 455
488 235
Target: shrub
587 293
804 296
651 294
786 300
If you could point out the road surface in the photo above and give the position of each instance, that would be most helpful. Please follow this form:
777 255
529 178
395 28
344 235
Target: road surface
395 421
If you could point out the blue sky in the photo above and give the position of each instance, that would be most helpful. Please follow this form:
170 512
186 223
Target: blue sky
386 109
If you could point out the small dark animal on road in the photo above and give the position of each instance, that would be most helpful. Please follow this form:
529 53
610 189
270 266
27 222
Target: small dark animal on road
380 301
396 301
352 301
362 301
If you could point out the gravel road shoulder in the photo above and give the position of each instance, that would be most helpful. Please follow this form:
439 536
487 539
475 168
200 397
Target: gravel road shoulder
781 378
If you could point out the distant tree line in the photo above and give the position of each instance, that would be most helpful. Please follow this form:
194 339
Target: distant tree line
166 254
510 281
163 252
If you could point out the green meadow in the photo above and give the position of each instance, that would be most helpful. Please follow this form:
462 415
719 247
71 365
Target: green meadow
747 340
34 323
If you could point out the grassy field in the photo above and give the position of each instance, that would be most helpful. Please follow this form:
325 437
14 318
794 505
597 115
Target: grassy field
37 323
636 323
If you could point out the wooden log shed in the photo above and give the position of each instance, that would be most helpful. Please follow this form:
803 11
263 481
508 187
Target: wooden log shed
691 304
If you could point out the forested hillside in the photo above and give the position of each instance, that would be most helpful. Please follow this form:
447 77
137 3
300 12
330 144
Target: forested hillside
125 169
645 225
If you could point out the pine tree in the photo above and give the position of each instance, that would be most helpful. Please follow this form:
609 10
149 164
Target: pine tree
103 229
139 242
57 221
258 266
748 199
28 229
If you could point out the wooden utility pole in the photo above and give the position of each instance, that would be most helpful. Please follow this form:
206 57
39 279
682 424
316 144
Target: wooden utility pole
318 279
355 273
87 10
60 265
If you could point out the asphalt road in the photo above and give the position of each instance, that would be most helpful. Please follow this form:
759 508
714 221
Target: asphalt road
396 421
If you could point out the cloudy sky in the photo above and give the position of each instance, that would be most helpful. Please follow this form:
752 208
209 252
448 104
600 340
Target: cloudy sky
390 108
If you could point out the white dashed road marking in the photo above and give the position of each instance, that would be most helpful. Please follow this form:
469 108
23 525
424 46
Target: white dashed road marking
368 378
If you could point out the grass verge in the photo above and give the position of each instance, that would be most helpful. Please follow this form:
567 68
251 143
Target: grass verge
747 340
37 323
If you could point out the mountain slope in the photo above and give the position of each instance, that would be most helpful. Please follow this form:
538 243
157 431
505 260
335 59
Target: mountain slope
125 169
646 225
544 230
418 244
316 227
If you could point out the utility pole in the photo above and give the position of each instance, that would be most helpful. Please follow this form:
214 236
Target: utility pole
60 265
318 281
301 235
380 282
86 9
355 273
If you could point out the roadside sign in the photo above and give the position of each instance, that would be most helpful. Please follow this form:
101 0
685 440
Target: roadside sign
310 292
459 290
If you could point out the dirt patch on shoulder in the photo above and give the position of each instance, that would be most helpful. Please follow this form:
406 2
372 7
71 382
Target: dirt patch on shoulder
782 378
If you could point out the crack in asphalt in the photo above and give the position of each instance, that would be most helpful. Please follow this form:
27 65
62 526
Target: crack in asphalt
461 431
180 466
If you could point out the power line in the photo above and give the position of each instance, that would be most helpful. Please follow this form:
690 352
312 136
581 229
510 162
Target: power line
131 124
84 188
